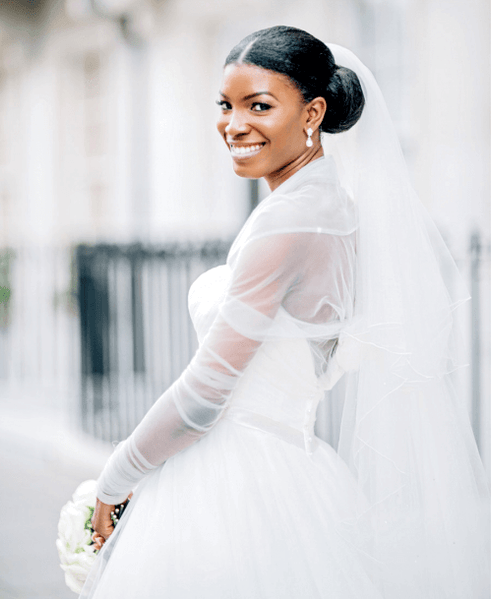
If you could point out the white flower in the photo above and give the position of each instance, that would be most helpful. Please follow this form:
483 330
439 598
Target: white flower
86 493
74 542
76 573
71 526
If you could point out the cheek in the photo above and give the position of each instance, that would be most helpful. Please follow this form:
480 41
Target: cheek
221 125
290 137
289 127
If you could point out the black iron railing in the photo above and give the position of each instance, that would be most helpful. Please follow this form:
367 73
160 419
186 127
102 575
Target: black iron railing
136 334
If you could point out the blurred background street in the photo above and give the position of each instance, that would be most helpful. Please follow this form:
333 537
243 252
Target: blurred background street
116 192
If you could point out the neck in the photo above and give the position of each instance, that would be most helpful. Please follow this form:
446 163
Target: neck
275 179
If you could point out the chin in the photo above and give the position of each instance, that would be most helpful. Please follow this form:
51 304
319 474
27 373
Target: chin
247 173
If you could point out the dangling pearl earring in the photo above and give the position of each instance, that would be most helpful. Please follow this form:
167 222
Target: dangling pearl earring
309 141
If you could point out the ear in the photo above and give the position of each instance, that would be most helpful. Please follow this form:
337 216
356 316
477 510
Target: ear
315 111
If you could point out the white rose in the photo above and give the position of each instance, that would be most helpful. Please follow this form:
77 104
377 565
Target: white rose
63 552
77 555
86 493
71 525
74 580
76 573
65 524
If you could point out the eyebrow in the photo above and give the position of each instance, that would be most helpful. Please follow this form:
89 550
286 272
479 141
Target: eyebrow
249 96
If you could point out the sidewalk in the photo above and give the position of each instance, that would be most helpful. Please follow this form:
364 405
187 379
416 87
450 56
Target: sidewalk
42 460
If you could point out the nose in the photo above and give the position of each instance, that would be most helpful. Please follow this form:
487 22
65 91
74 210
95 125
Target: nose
237 124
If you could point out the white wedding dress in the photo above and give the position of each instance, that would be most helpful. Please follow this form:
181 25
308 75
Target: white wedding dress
236 497
259 507
253 509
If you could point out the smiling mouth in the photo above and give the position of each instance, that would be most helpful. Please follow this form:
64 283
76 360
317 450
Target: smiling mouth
245 151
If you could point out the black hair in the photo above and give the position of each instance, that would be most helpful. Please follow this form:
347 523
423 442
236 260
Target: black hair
310 65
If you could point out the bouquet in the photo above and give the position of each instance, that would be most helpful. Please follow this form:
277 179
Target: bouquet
75 546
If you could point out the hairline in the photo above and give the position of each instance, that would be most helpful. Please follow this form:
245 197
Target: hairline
243 61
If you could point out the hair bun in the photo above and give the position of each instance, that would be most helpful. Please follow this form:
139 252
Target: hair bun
345 101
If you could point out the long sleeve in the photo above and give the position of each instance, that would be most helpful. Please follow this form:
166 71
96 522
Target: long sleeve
266 271
292 276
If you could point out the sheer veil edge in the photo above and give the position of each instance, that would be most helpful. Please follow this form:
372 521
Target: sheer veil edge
423 508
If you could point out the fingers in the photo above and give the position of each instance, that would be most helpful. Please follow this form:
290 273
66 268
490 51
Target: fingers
102 522
102 530
98 540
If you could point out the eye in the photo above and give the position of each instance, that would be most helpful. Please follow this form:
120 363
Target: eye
223 104
260 106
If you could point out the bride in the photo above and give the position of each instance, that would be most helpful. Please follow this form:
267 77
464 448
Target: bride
336 273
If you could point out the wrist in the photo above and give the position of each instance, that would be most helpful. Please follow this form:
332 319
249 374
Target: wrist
110 499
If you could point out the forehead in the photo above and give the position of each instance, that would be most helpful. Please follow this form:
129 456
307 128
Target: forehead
244 79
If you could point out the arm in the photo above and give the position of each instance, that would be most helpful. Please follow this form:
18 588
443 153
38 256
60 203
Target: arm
193 404
293 270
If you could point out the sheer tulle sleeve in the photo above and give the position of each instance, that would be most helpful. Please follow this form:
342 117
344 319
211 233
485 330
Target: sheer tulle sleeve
292 275
266 272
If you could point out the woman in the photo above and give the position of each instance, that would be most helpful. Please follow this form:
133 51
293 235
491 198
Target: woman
313 287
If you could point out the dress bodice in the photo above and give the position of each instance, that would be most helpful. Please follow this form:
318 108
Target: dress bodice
280 383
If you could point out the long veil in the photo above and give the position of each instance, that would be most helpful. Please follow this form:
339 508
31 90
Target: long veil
423 499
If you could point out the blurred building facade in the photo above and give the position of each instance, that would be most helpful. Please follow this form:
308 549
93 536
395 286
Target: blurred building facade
107 135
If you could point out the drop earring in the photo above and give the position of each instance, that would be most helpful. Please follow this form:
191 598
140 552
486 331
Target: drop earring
309 141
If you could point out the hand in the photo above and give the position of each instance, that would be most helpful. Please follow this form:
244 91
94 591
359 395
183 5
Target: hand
102 523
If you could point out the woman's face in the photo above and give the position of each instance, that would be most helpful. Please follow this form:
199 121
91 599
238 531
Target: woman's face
263 122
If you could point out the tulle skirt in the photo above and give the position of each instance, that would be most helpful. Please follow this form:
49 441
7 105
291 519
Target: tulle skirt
240 514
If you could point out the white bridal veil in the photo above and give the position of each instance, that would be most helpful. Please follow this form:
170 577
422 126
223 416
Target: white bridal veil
423 511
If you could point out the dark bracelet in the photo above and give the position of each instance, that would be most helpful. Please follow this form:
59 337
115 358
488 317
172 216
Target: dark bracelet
118 511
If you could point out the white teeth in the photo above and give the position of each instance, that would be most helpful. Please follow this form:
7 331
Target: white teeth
242 150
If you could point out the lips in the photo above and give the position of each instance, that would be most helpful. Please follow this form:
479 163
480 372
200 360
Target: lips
245 150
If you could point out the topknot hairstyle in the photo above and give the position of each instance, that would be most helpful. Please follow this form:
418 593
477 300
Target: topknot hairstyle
310 65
